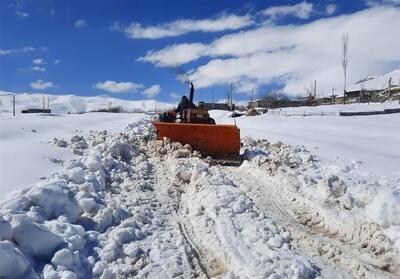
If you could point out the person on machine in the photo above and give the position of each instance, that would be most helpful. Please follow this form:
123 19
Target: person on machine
184 104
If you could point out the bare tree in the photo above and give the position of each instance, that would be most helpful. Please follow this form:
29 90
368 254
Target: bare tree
311 93
345 51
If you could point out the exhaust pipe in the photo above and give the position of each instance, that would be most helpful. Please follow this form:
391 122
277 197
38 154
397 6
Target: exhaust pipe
191 92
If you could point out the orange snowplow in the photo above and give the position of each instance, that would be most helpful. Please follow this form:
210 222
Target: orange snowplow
214 140
193 125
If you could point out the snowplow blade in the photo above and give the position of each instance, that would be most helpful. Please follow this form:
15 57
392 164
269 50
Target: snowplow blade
218 141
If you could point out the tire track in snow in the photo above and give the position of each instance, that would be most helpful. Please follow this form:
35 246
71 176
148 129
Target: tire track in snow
341 261
169 191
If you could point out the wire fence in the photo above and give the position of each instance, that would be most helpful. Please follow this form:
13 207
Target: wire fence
301 113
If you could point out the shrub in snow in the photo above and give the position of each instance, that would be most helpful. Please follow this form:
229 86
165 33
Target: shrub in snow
13 264
59 142
35 239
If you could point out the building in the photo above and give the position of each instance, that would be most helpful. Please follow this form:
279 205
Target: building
277 103
373 95
218 106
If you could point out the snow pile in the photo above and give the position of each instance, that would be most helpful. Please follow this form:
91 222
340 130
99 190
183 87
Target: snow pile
63 227
26 157
129 206
231 236
77 144
340 201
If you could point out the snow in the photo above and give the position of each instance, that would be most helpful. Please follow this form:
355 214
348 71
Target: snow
369 141
13 263
34 239
377 82
122 204
29 153
62 104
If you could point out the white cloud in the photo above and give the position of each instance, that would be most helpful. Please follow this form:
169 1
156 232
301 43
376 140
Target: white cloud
42 85
56 61
295 55
175 55
38 68
183 26
330 9
175 96
374 3
301 10
80 23
16 50
152 91
22 14
118 87
38 61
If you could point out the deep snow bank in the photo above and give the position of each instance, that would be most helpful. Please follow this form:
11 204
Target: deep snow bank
340 201
60 228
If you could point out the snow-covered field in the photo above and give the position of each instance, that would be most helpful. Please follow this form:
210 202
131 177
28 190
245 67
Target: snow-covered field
26 151
117 203
370 142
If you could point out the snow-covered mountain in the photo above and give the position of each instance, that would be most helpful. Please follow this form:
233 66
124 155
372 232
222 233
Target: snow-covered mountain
376 82
78 104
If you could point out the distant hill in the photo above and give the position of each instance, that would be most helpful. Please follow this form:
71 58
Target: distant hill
78 104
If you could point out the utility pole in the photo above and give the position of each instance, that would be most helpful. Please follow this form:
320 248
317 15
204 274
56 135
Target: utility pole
315 88
252 98
315 93
345 51
231 102
48 102
333 93
389 85
13 101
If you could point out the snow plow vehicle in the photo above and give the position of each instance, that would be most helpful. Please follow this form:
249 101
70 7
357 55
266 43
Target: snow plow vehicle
193 125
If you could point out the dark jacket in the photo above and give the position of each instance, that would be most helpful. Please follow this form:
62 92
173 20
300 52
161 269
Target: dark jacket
184 104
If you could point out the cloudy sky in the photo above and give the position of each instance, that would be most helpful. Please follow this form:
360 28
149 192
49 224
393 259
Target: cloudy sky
150 49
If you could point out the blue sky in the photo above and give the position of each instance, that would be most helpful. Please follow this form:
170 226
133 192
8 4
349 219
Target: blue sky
136 49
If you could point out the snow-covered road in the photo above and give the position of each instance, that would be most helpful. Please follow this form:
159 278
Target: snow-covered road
130 206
